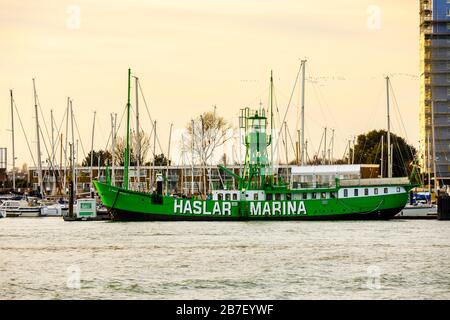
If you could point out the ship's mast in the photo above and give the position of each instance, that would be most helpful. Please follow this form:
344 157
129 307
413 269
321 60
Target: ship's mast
168 159
113 147
303 64
127 149
382 155
436 182
429 166
271 128
65 145
192 164
388 130
92 148
41 184
154 154
138 137
72 154
13 144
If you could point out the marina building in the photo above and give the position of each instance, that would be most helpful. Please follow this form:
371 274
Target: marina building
435 89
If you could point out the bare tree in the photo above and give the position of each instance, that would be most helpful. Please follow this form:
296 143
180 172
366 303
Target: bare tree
119 150
204 135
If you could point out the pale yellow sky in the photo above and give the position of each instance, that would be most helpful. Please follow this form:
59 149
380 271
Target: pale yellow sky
192 54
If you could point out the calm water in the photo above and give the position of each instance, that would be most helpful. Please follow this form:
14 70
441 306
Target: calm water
43 258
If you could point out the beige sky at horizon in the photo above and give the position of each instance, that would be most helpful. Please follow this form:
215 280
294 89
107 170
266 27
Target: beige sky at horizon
193 54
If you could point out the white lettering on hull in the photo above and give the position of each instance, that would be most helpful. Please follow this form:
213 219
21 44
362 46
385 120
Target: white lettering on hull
277 208
263 208
200 207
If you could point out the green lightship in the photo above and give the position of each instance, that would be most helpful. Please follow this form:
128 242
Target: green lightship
260 194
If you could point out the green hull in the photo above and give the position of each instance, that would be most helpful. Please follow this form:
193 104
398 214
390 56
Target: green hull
137 206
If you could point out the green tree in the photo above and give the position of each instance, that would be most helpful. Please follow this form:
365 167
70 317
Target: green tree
368 151
105 158
160 160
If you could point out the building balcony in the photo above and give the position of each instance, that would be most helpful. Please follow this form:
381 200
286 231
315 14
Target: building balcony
437 43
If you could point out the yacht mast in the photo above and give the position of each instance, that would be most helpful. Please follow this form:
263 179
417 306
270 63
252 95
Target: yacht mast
192 164
113 147
138 137
13 145
436 182
72 154
388 131
65 147
53 152
41 184
127 149
168 157
303 63
92 148
271 127
382 155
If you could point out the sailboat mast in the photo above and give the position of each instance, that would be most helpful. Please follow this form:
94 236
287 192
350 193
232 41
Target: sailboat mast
429 165
436 182
92 148
127 149
382 155
72 155
271 126
113 147
13 144
302 143
138 137
65 145
388 130
325 147
192 164
168 157
41 184
53 156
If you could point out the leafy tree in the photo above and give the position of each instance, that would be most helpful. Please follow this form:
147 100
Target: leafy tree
160 160
368 151
105 158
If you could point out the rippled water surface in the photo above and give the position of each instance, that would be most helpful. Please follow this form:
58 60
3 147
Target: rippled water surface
400 259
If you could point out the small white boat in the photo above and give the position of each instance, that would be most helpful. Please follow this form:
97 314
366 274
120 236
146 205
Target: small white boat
55 210
2 214
19 208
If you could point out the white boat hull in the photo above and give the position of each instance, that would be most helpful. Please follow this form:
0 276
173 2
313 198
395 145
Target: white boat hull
25 213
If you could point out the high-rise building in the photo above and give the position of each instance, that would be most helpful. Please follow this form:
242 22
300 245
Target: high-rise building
435 89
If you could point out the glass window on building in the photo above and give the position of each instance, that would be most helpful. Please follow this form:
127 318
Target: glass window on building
366 192
345 193
385 190
255 197
234 196
355 193
375 191
324 195
304 196
228 197
220 197
313 195
278 196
